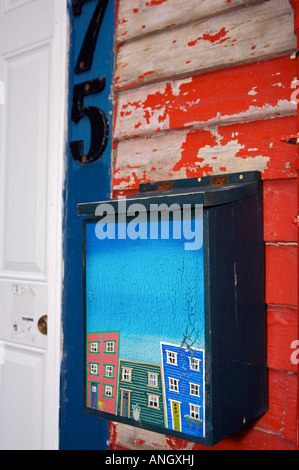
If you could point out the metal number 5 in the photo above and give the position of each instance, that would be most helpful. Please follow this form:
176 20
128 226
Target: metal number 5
98 121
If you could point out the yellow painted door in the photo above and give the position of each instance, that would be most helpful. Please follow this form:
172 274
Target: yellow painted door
176 416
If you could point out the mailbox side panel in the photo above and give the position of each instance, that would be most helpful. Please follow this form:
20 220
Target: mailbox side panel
235 257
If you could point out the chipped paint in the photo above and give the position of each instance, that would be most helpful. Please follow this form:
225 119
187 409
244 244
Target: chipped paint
225 120
192 153
214 36
207 45
153 3
199 99
253 91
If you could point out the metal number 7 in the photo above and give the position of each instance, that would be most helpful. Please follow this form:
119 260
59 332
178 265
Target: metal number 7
86 54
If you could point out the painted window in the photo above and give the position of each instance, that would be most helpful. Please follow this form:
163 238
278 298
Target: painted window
194 363
194 389
194 411
109 371
152 380
171 357
173 384
153 401
126 374
110 346
94 369
108 391
94 347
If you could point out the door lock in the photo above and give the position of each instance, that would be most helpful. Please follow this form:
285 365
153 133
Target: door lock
43 325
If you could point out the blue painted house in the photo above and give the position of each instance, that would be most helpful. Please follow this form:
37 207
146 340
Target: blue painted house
184 391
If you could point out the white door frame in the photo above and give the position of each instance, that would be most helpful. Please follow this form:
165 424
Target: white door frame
56 172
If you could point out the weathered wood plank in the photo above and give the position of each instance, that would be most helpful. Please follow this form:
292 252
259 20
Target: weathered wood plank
291 408
184 154
281 332
242 93
281 274
281 416
280 199
237 37
136 18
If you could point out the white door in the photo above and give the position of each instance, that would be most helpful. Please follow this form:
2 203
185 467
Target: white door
32 77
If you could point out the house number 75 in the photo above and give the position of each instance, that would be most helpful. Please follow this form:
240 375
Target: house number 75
98 120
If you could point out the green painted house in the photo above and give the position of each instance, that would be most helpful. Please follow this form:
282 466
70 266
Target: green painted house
140 395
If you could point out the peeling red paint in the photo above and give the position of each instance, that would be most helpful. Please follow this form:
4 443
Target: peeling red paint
238 147
200 99
121 21
190 150
175 443
154 3
113 431
140 79
223 102
139 442
218 37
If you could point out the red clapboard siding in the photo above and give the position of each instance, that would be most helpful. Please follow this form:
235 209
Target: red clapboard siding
136 18
182 112
281 274
291 408
280 201
247 92
281 332
183 154
273 419
248 34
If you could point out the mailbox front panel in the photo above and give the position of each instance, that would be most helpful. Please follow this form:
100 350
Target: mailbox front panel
145 325
175 325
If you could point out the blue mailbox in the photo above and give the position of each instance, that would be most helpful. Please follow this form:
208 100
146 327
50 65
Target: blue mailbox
174 307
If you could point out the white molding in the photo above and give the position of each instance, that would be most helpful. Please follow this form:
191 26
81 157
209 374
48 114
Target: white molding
56 171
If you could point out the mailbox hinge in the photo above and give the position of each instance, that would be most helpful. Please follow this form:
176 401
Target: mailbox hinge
213 180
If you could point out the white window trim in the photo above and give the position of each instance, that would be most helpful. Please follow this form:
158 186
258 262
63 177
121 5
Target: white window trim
175 357
124 369
176 383
194 394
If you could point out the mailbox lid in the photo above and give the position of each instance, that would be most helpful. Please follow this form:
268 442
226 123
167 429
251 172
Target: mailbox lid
208 191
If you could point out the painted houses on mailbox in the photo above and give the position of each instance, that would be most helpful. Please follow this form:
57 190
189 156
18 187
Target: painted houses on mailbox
183 372
102 363
140 393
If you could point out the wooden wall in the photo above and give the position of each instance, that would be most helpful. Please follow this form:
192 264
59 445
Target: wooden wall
204 87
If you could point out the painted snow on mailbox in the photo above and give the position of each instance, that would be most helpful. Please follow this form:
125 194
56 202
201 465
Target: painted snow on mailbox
145 303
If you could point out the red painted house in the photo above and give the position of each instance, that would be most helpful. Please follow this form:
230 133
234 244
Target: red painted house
102 369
